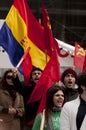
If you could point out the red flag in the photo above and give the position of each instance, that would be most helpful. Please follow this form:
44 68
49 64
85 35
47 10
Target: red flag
51 74
79 56
48 35
52 70
84 64
26 66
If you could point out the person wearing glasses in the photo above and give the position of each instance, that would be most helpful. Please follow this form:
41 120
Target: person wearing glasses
11 104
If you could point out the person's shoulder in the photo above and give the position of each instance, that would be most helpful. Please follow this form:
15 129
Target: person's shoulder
71 103
39 116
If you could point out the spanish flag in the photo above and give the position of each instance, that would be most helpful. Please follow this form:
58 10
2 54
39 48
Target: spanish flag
20 31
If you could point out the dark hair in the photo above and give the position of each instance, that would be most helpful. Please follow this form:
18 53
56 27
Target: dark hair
51 91
6 72
49 97
34 69
4 83
81 81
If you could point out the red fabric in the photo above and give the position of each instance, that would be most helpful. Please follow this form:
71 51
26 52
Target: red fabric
84 64
50 74
79 56
48 36
30 122
32 24
35 30
59 50
26 53
26 66
52 70
62 55
50 41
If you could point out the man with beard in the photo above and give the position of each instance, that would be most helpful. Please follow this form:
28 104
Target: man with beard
69 79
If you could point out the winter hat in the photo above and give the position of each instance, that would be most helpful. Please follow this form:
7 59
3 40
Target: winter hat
67 71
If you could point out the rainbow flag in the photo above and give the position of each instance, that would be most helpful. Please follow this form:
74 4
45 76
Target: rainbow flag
20 31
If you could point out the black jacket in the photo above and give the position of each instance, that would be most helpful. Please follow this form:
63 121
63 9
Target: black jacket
26 91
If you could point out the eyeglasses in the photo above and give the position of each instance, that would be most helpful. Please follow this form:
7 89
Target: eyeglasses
9 77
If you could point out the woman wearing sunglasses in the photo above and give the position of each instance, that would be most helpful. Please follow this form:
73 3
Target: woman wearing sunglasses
11 104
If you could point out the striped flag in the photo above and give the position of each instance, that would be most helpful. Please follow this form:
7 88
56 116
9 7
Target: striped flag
20 31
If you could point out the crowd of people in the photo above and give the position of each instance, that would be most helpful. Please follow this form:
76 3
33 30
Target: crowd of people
65 102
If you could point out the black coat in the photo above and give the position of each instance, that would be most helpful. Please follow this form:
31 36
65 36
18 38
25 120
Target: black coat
26 91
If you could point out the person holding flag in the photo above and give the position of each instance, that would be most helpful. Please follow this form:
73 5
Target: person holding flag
26 91
11 104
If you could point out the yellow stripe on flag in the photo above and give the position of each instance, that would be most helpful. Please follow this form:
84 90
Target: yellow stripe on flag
19 31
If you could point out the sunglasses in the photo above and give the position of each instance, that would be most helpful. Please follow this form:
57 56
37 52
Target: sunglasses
9 77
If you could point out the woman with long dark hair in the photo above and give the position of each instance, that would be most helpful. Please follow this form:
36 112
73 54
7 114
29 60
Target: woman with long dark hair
54 102
11 104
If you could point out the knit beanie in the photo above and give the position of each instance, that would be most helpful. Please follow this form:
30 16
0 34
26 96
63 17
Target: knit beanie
67 71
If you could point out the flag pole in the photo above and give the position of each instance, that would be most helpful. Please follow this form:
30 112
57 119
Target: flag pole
19 63
23 57
43 120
